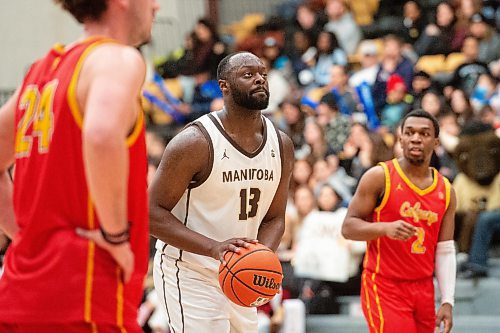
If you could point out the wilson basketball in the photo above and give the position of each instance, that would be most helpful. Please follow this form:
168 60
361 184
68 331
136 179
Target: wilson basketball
251 277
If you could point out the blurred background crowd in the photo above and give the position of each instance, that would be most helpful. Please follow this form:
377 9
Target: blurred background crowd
342 73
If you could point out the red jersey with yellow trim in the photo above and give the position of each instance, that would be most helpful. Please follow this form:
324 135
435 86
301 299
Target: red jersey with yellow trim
51 274
412 259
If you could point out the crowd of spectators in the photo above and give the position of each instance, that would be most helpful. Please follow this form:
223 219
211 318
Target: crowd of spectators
342 74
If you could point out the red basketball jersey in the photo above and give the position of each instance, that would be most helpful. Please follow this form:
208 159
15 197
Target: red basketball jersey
51 274
412 259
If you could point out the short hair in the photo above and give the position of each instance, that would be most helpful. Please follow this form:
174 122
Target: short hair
419 113
224 66
84 9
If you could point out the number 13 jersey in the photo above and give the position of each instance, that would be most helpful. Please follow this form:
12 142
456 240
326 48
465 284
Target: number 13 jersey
235 197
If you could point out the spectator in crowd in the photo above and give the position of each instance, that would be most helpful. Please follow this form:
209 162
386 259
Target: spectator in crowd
301 175
302 56
328 262
421 82
328 54
309 20
433 102
414 22
396 106
460 105
369 65
279 88
466 75
292 122
489 39
393 62
342 24
337 125
443 37
315 146
485 93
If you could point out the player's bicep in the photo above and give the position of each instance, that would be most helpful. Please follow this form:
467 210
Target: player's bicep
448 225
111 82
186 155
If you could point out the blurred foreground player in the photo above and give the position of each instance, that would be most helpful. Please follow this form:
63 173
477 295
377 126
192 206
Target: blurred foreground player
405 210
77 211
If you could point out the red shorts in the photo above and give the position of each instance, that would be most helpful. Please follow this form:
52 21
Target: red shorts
393 306
79 327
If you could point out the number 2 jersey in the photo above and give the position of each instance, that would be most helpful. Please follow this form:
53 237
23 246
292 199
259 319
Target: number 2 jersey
424 208
235 197
51 274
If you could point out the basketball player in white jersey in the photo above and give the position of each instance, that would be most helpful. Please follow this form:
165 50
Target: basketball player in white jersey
222 184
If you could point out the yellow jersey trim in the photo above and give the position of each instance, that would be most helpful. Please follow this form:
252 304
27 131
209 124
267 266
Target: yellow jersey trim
71 94
139 123
90 264
415 188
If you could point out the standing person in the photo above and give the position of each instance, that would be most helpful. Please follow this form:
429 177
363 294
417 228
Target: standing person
222 184
405 210
75 131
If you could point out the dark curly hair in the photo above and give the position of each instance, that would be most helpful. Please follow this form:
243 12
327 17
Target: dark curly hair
84 9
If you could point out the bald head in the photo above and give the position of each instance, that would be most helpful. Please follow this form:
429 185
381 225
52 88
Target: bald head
235 60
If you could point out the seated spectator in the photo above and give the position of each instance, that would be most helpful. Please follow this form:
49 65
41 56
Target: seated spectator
309 20
460 106
466 75
393 62
421 83
369 65
292 122
279 89
443 37
315 145
328 54
433 102
485 93
489 38
328 262
339 179
342 24
414 22
301 175
396 106
302 56
337 126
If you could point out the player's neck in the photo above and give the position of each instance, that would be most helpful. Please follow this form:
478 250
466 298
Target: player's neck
106 30
414 170
241 120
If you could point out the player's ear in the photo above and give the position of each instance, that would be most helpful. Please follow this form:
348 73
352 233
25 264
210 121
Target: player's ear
223 85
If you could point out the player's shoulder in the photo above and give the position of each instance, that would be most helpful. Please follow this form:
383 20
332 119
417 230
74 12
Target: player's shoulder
374 178
193 138
119 57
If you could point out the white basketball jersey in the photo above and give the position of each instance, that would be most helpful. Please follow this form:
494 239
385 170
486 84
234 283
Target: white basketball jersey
237 194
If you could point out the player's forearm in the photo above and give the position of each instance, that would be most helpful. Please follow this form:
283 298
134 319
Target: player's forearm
164 226
106 166
271 232
7 218
360 230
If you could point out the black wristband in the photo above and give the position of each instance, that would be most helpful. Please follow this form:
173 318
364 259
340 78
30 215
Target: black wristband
118 238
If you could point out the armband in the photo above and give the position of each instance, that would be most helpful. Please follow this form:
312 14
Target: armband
446 271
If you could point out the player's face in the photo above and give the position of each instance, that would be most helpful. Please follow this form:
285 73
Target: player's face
249 86
141 17
417 140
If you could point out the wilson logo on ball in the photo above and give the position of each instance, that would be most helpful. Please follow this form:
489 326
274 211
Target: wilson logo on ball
262 281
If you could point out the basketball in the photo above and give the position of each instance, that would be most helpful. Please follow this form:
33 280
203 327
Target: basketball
252 277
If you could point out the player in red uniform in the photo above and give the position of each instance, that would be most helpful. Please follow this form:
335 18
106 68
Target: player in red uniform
77 210
405 210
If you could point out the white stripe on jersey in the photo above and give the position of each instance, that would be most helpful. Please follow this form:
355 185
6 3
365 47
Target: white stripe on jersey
237 194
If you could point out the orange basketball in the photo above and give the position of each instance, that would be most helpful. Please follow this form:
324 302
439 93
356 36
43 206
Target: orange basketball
251 277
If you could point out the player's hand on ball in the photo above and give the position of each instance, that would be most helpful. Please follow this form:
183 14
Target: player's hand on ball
444 315
400 230
121 253
231 245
